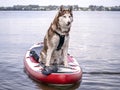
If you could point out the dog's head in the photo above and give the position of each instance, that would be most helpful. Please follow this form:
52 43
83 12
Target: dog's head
65 17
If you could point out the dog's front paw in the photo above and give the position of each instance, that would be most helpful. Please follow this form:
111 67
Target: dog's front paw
39 60
65 64
47 64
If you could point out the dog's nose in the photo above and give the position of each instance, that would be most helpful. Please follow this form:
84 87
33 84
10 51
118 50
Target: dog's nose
68 23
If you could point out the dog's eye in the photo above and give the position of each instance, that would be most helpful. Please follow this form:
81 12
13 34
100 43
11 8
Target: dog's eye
69 16
64 16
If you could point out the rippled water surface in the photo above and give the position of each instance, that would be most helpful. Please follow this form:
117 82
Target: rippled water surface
94 42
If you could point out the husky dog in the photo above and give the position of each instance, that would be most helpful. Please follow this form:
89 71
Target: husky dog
56 39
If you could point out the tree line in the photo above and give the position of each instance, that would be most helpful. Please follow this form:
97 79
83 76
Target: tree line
54 7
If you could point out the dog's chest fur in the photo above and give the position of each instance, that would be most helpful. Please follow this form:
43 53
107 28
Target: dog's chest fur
54 39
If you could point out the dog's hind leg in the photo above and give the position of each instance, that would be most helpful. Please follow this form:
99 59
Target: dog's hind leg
49 54
42 57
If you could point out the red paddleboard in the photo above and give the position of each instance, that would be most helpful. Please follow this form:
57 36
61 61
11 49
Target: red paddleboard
63 76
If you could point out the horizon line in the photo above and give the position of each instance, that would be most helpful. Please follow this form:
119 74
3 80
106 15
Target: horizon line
58 5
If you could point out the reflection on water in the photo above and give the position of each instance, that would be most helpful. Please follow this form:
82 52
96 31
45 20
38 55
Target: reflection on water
94 42
50 87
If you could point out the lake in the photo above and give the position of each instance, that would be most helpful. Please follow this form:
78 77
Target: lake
94 42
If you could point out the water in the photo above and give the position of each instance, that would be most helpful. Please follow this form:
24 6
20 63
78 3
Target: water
94 42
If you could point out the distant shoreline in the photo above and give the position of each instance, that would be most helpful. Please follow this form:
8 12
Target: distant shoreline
54 7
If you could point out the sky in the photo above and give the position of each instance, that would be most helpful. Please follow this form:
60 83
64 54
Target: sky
82 3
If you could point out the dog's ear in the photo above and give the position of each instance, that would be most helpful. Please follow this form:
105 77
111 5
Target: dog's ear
70 8
61 8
